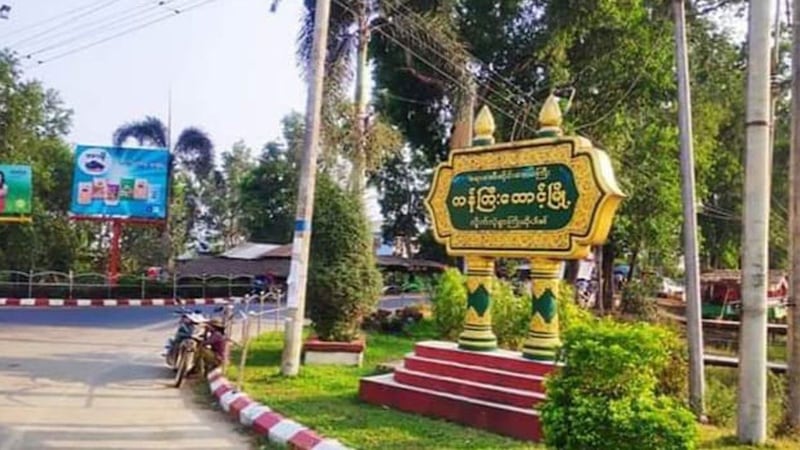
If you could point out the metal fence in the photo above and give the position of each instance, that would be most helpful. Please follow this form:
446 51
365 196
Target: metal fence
50 284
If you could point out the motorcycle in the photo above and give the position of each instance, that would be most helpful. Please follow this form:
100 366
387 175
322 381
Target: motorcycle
180 348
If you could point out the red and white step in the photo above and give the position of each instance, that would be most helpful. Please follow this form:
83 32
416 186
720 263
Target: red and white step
111 302
264 421
496 391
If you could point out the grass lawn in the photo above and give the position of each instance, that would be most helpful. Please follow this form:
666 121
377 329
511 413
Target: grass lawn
326 400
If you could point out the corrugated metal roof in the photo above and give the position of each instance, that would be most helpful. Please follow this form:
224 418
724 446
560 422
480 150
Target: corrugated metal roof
249 250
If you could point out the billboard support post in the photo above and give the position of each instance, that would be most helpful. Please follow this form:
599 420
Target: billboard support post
114 256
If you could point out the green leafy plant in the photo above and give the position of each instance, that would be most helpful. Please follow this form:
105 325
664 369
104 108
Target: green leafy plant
569 312
450 303
637 300
510 315
343 284
606 394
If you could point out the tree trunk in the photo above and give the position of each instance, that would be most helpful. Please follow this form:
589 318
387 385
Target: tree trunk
634 258
358 176
608 278
571 271
598 274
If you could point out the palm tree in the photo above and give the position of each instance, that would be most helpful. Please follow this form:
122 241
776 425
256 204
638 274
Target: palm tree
193 150
350 27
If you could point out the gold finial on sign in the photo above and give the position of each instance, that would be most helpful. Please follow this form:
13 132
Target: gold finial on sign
550 117
484 127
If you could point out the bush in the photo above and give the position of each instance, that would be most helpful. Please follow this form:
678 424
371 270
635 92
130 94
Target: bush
606 394
394 322
511 315
637 301
344 284
569 312
450 303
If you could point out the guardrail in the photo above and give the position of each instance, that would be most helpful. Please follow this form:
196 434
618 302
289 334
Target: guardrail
69 285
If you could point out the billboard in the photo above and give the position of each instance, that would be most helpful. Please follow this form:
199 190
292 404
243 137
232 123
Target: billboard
16 188
120 182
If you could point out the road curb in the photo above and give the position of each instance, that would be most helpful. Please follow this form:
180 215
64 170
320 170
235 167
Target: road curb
109 302
263 420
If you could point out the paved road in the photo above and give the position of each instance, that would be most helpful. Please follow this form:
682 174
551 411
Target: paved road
93 379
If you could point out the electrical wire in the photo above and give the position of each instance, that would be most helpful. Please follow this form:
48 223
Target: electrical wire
121 33
491 84
68 20
102 27
62 15
413 16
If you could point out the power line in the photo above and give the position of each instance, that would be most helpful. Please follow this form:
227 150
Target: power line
66 20
413 17
427 62
51 19
103 26
120 34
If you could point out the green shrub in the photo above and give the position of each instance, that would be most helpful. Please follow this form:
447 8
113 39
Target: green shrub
511 315
450 303
637 301
569 312
606 395
344 284
674 376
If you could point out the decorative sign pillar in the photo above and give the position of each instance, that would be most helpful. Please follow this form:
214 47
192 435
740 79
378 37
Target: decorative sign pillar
543 340
478 333
548 199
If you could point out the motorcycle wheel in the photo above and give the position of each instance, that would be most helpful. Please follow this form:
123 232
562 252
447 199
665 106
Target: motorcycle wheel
182 369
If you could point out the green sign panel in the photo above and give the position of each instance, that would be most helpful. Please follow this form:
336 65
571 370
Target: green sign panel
521 198
15 191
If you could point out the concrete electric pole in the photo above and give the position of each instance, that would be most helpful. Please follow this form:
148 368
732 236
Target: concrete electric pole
793 402
296 299
694 325
752 405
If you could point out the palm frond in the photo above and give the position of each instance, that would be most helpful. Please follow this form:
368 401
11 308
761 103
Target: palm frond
342 41
150 131
195 152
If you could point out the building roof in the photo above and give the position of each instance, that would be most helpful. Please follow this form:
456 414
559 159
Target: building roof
215 265
249 250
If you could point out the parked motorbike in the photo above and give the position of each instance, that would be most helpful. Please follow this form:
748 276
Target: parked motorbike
183 344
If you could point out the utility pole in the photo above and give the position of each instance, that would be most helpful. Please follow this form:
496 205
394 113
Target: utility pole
793 403
296 299
694 326
752 404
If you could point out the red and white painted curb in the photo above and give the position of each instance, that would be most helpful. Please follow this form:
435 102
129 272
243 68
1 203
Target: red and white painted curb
111 302
264 421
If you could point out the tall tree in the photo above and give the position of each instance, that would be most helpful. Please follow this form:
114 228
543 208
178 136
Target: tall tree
33 123
268 190
193 154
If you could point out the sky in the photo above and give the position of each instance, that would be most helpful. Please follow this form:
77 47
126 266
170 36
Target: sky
229 64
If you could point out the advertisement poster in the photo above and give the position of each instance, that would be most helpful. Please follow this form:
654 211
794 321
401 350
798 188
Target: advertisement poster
15 191
120 182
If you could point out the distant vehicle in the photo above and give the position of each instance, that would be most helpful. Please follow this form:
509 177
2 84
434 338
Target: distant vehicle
721 293
670 288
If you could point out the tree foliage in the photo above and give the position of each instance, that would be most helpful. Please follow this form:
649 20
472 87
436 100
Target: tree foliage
33 123
343 283
619 57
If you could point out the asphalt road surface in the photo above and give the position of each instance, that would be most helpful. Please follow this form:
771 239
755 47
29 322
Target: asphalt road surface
93 378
